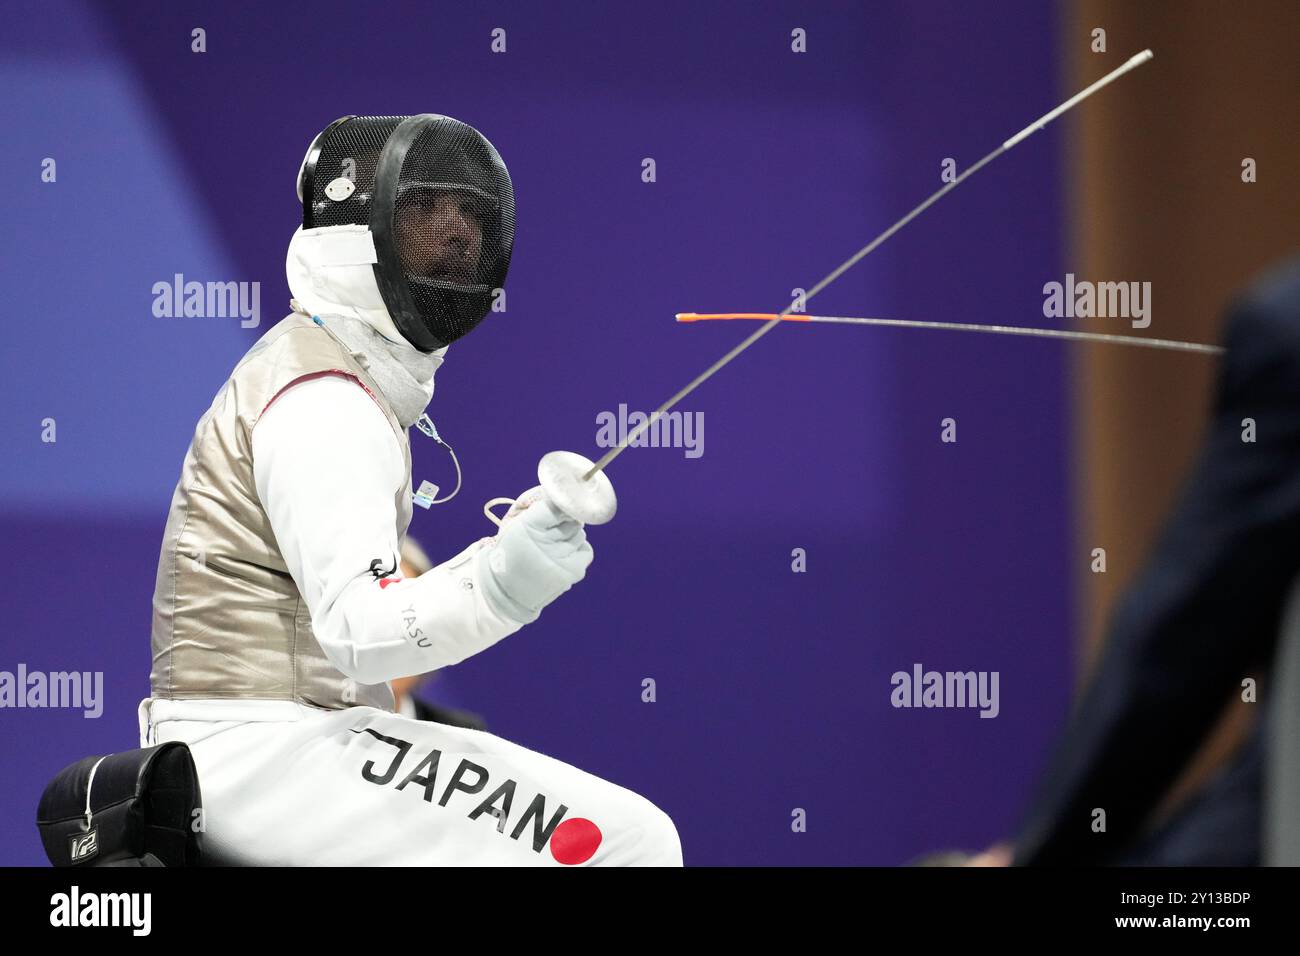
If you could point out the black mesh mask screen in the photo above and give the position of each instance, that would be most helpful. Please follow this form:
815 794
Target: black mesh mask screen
438 200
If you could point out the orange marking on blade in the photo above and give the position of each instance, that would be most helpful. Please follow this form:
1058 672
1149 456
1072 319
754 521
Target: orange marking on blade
767 316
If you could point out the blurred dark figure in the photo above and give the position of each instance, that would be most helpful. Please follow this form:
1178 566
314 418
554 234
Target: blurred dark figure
1204 614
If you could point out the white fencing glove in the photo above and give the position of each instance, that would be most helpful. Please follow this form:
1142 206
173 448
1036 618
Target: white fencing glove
538 554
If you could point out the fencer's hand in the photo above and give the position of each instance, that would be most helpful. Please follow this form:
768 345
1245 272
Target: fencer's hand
538 554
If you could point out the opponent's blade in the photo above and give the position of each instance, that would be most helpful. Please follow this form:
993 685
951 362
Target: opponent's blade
1109 338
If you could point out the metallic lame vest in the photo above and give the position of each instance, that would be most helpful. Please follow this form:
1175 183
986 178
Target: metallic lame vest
228 621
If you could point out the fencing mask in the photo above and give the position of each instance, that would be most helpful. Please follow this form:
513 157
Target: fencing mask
438 204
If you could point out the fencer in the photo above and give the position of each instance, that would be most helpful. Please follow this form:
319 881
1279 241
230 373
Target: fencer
280 612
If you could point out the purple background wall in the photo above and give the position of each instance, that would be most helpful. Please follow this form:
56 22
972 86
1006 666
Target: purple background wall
773 687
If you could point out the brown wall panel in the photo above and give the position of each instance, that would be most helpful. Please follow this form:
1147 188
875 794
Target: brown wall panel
1157 195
